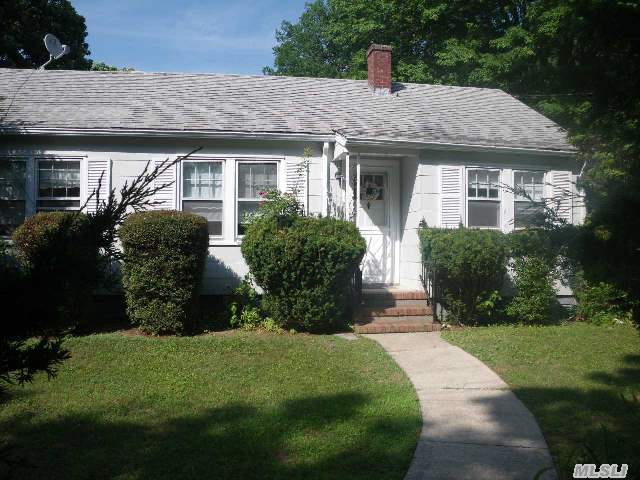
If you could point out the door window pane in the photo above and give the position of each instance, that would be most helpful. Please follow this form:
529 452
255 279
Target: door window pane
12 195
58 185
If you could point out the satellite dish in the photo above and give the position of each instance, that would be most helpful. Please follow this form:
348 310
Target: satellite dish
55 48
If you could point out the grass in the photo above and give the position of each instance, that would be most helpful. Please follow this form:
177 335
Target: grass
241 405
578 380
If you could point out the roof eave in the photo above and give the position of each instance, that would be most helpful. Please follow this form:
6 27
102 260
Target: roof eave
346 141
200 134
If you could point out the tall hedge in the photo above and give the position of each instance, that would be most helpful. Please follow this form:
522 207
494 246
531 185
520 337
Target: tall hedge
164 254
304 266
470 266
62 265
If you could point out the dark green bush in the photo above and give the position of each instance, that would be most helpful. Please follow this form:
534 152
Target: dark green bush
163 261
62 264
602 304
304 266
535 296
469 265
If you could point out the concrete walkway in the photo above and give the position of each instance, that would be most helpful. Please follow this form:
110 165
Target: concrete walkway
473 426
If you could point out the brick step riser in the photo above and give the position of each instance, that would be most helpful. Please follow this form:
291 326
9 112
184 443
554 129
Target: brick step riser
398 319
394 295
373 302
379 328
395 312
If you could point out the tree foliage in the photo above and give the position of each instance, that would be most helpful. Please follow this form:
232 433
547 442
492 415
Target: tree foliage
576 61
23 25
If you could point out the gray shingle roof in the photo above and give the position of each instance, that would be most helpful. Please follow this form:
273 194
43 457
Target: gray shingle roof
119 101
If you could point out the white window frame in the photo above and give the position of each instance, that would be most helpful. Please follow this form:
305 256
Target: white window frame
545 174
82 185
222 199
237 198
498 200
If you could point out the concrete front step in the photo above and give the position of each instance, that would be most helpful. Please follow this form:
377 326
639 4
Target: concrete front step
397 327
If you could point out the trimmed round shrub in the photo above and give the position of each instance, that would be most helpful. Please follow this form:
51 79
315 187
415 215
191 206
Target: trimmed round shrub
304 265
62 265
469 266
164 255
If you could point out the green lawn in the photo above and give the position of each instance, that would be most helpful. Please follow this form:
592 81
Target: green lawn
236 406
578 380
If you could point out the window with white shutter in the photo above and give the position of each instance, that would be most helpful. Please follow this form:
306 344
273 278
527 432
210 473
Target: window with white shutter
451 213
166 196
98 181
483 198
563 194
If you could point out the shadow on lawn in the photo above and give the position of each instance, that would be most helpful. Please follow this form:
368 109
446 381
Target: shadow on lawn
232 442
592 425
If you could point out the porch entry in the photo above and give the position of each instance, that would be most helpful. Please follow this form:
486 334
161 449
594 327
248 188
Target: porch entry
377 220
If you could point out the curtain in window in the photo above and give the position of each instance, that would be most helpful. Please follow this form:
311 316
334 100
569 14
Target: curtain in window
202 180
530 182
12 195
254 178
58 179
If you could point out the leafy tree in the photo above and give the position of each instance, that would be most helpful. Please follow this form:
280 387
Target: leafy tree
103 67
23 25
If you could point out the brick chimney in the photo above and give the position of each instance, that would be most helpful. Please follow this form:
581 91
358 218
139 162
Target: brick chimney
379 68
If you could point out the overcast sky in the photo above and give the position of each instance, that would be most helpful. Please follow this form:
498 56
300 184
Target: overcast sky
235 36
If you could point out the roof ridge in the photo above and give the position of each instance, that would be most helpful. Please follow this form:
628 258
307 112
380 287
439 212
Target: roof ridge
240 75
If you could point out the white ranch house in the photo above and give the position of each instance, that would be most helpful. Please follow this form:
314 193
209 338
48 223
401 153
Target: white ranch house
407 152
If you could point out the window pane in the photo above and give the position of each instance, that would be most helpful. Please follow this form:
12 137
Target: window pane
483 184
245 208
484 214
58 179
12 180
211 210
58 204
527 214
202 180
254 178
531 183
12 214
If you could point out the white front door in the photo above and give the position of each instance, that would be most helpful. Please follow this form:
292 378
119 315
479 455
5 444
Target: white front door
376 221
